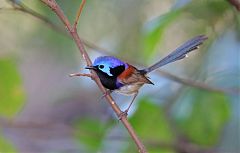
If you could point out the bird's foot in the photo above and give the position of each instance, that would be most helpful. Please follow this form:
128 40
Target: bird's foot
123 114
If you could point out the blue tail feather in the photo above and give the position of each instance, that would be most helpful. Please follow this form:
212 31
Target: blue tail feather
178 54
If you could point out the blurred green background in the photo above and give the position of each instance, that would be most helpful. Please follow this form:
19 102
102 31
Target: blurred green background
43 110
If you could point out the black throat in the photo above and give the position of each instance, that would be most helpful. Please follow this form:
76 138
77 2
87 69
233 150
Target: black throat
110 82
107 81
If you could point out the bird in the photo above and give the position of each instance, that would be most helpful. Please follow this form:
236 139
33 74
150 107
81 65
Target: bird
124 78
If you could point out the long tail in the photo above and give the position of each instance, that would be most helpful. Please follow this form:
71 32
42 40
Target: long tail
178 54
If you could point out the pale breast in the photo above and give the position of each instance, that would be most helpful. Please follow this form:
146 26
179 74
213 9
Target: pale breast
129 89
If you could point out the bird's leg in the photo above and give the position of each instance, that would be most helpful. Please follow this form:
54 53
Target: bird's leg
134 97
125 113
108 92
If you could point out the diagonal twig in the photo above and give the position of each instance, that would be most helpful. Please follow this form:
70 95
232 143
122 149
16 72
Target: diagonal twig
79 13
73 32
21 7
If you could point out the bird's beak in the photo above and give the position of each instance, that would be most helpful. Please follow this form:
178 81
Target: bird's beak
90 67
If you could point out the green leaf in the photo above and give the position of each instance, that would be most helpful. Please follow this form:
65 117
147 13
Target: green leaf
5 145
11 91
202 115
90 133
151 125
210 11
154 30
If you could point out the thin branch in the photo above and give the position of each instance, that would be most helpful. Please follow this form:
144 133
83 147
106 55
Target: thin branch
79 13
23 8
58 11
81 74
196 84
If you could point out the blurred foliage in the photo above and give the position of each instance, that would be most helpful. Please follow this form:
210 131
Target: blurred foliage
91 133
11 91
151 124
154 31
209 10
5 145
12 96
160 130
202 115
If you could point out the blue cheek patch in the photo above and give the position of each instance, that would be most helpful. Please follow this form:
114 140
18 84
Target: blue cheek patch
106 69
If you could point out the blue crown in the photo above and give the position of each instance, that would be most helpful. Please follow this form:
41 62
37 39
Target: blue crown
108 62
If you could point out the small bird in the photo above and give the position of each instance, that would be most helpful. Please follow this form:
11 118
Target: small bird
124 78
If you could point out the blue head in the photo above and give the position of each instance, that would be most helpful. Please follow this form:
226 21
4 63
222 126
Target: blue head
109 64
108 68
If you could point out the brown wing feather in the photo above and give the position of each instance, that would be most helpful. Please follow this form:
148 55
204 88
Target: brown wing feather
132 75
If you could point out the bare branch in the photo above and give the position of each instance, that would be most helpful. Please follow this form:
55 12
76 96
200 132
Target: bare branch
79 13
25 9
192 83
58 11
81 74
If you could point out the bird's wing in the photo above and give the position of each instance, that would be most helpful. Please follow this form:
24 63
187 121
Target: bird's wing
132 75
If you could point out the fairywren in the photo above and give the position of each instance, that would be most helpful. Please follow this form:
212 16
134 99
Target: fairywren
124 78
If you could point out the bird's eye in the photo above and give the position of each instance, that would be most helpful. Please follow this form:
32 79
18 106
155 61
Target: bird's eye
101 66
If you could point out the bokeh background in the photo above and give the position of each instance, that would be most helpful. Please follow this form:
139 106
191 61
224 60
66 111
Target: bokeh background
192 108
